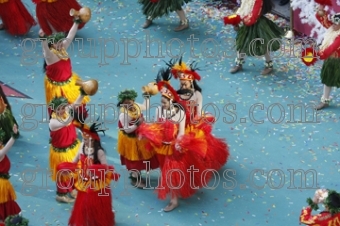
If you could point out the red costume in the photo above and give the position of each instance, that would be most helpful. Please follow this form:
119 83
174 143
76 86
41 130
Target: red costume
8 205
322 219
93 205
333 50
177 178
218 150
15 17
54 15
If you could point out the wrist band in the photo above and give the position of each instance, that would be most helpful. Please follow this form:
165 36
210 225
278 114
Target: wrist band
78 21
43 36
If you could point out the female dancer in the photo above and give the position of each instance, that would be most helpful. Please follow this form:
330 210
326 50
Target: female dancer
93 205
256 26
64 142
177 152
60 81
158 8
331 215
191 97
330 52
8 205
54 16
132 151
7 119
15 17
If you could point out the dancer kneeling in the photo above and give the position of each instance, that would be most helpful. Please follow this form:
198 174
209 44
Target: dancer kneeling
133 152
93 205
177 152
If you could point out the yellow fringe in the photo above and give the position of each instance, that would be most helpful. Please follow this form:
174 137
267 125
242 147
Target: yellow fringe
70 90
58 157
181 67
93 185
132 149
164 149
7 192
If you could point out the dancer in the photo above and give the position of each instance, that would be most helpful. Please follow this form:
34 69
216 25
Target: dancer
64 142
16 19
158 8
54 16
93 205
9 208
330 52
7 119
60 81
177 152
255 26
191 97
132 151
331 215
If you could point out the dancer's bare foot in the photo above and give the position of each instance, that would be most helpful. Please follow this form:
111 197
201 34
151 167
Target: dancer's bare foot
147 24
322 106
171 206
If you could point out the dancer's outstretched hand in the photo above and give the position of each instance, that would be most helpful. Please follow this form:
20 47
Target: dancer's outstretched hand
15 129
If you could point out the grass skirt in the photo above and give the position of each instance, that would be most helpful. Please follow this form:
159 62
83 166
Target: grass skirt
8 206
92 208
178 176
15 17
161 7
264 29
67 90
217 148
57 157
330 72
57 15
7 121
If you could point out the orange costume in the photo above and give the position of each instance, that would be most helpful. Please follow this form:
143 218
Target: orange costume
15 17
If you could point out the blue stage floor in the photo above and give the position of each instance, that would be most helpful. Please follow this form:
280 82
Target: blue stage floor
245 198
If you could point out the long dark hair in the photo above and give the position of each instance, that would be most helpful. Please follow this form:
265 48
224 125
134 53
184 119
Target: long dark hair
196 86
3 95
267 7
96 147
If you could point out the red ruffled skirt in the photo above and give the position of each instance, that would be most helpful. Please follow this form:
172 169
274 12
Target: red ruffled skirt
218 151
56 15
15 17
182 173
93 208
93 205
8 205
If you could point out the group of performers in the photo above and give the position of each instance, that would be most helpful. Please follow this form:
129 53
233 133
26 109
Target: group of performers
179 138
53 15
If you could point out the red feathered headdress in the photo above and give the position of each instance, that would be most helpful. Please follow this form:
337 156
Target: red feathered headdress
324 2
163 84
167 91
181 71
91 131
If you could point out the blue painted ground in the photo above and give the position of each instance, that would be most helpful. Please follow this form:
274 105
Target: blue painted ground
277 149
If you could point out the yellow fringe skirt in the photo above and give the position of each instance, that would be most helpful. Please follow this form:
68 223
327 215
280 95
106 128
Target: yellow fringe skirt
57 157
7 192
132 148
67 89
